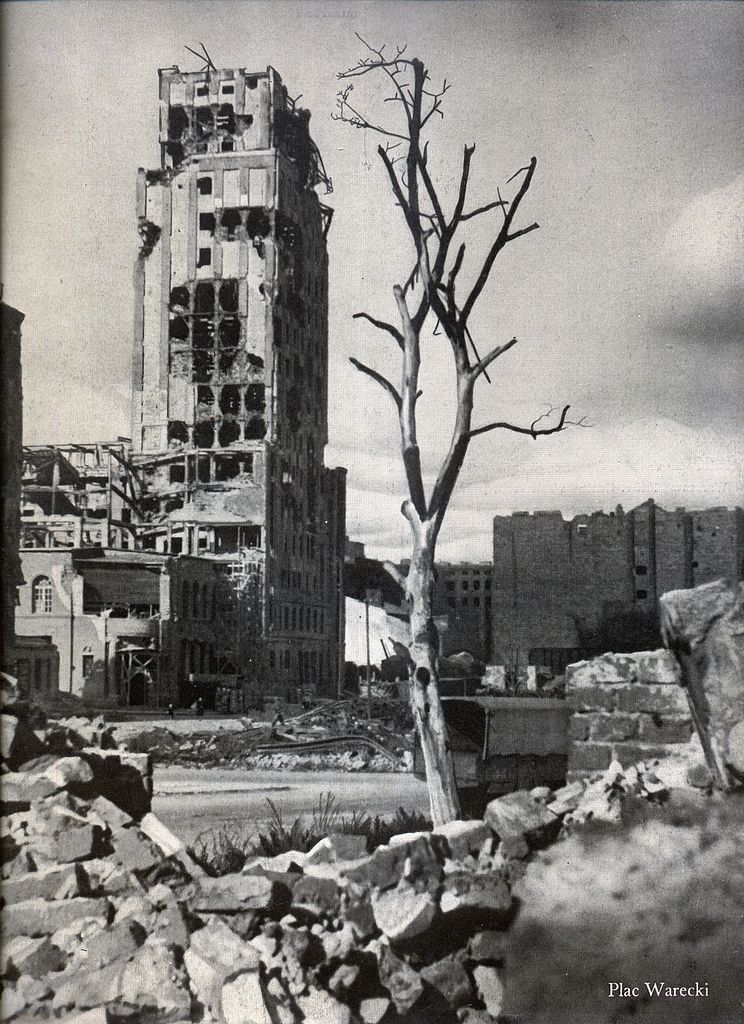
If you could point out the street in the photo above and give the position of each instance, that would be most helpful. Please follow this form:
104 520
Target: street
190 800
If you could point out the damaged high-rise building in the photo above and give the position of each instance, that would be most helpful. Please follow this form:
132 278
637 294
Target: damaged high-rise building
230 368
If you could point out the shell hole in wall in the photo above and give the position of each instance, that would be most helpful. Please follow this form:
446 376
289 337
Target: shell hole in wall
230 399
204 434
229 433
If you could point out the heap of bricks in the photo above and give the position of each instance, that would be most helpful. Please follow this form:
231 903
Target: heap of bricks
627 707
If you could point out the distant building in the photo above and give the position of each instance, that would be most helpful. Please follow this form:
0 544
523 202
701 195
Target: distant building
11 426
463 595
32 660
556 582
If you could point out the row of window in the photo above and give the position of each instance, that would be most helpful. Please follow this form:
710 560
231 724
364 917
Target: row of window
198 600
42 674
465 585
296 618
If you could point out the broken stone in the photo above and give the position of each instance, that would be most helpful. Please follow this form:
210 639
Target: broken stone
490 988
18 743
119 941
109 813
216 953
517 814
290 861
169 923
41 917
32 956
385 867
232 893
32 990
321 853
320 1007
566 799
372 1010
464 837
514 848
133 851
69 771
401 981
316 896
403 913
20 790
161 836
343 978
153 983
49 883
704 628
11 1003
105 875
542 794
77 843
483 896
449 978
242 1000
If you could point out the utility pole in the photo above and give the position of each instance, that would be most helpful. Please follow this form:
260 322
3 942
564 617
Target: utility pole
369 671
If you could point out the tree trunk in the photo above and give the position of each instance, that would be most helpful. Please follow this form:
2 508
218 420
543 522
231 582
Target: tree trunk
424 687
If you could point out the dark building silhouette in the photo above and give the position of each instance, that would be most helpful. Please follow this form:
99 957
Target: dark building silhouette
560 586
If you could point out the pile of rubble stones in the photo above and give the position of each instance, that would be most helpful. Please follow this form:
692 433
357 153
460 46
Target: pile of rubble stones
107 918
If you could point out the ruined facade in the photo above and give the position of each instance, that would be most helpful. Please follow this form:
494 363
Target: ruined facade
462 595
77 495
230 368
130 628
557 581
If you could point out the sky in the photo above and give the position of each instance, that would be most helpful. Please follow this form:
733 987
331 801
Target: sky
627 303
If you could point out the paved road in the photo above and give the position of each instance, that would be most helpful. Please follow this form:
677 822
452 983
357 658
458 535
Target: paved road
190 800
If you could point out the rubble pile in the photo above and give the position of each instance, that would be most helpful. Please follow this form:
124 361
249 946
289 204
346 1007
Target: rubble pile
107 917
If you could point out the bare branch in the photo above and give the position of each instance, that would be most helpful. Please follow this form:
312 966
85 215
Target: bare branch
484 209
382 381
382 325
532 430
359 120
486 361
522 231
501 239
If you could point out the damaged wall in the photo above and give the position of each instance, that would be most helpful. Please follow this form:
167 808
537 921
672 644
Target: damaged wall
627 707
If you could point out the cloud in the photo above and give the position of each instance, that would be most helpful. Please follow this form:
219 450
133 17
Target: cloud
696 280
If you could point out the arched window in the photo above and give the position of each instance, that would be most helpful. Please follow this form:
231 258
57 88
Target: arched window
195 602
41 596
185 599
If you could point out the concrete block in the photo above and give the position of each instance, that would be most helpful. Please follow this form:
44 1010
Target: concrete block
592 698
664 700
664 730
612 728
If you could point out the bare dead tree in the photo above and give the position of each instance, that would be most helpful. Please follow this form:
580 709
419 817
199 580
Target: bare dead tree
429 297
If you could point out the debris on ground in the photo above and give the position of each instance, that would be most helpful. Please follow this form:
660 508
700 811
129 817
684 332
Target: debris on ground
331 736
108 917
